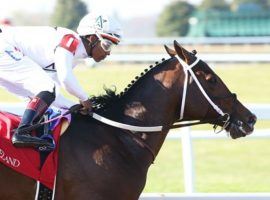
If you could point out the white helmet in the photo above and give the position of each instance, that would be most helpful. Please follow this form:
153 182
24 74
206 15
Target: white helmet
105 26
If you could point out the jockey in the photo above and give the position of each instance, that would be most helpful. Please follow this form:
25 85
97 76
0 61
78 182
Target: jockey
36 61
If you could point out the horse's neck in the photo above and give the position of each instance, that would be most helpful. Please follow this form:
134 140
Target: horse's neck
154 103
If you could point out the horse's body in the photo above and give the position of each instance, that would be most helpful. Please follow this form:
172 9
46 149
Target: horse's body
109 167
100 162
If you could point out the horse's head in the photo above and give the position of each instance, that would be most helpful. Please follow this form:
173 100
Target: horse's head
205 96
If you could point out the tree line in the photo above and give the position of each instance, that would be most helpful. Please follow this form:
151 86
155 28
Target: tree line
173 20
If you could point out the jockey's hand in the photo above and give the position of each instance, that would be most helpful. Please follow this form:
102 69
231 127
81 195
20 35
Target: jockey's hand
87 107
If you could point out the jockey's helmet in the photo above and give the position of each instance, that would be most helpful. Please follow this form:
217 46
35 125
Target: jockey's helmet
101 25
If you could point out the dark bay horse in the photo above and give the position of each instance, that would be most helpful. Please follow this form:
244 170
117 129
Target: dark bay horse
101 162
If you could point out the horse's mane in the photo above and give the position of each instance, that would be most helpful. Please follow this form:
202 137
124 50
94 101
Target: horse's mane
101 102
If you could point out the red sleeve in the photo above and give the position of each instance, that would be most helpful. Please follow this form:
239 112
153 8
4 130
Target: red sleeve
69 42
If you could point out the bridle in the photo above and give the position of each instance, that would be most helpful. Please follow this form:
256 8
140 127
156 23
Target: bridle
188 70
223 116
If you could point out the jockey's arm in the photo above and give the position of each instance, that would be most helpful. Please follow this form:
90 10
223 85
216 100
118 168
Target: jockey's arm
63 64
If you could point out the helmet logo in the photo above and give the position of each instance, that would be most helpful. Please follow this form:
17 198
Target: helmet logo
100 21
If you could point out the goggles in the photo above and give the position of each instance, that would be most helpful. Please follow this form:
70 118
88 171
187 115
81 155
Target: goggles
106 44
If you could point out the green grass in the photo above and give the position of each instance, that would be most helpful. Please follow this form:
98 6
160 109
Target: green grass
166 174
233 165
221 165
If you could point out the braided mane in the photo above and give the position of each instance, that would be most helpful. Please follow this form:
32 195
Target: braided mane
101 102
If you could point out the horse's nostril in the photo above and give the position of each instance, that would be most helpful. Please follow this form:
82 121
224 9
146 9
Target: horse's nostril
252 120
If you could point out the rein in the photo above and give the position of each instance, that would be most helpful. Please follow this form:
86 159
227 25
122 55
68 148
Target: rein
126 126
37 125
188 70
225 117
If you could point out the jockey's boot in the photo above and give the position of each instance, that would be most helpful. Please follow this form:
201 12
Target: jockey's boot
35 109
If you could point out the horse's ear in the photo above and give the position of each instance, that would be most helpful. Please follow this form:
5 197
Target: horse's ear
184 54
170 51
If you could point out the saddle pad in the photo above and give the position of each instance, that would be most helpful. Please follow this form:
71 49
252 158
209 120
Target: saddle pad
27 160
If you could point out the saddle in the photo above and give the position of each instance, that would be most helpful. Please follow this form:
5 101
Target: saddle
30 162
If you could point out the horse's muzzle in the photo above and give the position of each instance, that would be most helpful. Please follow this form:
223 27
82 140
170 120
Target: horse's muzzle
238 128
252 121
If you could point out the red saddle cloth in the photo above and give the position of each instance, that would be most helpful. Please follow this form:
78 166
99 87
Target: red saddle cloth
26 160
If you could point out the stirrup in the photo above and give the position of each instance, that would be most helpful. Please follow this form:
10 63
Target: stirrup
46 148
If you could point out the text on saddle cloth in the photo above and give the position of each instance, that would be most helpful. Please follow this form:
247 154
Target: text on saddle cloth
26 161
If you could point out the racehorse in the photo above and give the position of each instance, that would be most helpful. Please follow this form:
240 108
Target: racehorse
101 162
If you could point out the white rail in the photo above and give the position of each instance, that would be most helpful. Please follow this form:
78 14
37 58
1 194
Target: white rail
207 196
207 57
196 40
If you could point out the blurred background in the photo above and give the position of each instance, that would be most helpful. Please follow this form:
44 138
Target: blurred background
232 36
142 19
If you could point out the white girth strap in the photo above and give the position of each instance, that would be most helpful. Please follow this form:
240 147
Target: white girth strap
188 68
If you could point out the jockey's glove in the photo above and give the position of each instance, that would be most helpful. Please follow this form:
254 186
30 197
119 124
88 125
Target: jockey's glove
87 107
